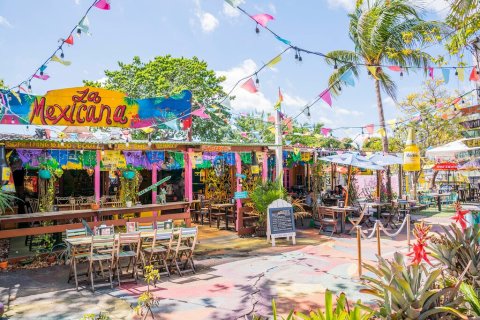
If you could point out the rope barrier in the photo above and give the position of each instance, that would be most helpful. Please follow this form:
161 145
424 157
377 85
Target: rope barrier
382 228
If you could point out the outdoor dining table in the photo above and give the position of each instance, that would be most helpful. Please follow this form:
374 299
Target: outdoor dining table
223 206
343 211
378 206
438 196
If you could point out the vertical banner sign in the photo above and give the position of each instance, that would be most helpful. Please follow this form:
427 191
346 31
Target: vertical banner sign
94 107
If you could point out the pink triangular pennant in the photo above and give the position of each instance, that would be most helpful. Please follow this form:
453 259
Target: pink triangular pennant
262 19
249 85
325 95
370 128
430 72
43 76
325 131
103 4
201 113
395 68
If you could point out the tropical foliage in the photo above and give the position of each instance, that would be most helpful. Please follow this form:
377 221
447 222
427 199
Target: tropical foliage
264 194
464 21
165 76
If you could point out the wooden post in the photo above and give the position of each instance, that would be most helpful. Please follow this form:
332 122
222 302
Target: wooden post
379 251
188 181
408 230
154 191
265 167
348 185
96 179
238 165
400 181
359 250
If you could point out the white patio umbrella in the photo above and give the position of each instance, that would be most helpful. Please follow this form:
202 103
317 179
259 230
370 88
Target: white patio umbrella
447 151
386 159
352 160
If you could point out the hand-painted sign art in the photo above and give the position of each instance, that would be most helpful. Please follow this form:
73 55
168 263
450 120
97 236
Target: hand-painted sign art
94 107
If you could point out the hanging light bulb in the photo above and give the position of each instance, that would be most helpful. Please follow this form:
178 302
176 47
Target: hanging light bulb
28 126
12 120
296 55
257 30
81 151
335 66
308 112
149 140
62 143
456 72
299 57
339 88
79 31
62 55
127 144
401 73
41 72
29 86
257 81
463 101
103 151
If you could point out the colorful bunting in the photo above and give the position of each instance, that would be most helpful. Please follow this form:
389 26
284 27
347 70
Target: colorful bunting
244 134
370 128
325 131
381 132
325 95
64 62
16 95
43 76
84 25
103 4
262 19
172 124
373 71
461 74
474 75
249 85
347 77
233 3
187 123
287 42
201 113
457 100
395 68
446 74
279 101
274 61
69 40
430 72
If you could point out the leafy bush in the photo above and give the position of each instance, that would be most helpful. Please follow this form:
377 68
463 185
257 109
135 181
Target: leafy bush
264 194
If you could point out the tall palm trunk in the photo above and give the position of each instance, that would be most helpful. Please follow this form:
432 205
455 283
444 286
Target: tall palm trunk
381 117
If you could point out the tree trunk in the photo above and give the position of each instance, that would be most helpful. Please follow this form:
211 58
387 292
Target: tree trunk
381 118
434 177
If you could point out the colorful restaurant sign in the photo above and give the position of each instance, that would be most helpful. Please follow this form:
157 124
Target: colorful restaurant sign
93 107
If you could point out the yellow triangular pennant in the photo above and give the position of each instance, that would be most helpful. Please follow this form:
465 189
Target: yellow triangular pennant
274 61
373 71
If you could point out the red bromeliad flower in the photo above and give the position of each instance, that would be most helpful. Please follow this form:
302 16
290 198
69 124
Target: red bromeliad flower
459 216
421 234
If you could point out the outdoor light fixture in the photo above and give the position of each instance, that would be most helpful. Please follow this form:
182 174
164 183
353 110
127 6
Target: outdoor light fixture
335 66
127 144
401 73
62 55
149 140
456 72
79 31
256 29
103 151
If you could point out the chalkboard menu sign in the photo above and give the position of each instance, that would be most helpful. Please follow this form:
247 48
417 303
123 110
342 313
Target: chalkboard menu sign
281 220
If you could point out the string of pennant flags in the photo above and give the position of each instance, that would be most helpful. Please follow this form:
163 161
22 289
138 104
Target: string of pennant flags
82 27
263 19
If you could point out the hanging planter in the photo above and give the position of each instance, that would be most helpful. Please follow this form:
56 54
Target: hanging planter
129 174
44 174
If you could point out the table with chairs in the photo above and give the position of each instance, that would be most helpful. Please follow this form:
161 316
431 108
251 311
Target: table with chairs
109 254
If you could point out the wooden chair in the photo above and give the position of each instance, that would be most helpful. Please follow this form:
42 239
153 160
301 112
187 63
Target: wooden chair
159 252
142 227
165 225
76 253
327 218
128 247
147 240
185 247
104 230
390 215
32 206
217 216
357 221
102 250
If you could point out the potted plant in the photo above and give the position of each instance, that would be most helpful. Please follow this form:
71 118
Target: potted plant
3 264
6 201
128 202
262 196
94 206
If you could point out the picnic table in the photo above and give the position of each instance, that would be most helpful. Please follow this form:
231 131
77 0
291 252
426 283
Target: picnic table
438 196
378 206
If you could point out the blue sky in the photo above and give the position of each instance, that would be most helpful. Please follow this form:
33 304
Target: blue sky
210 30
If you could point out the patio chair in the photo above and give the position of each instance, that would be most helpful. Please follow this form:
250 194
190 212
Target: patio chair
32 206
217 216
185 247
450 199
103 230
403 208
165 225
77 253
159 252
327 218
128 247
102 250
390 215
364 217
141 227
204 209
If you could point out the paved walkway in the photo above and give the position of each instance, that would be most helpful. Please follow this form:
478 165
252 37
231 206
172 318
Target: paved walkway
236 277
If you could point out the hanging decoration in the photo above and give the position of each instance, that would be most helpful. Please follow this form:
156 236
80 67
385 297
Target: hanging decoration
325 131
279 102
325 95
57 59
200 113
474 75
249 86
103 4
262 19
446 75
42 76
430 72
274 61
83 26
370 128
137 159
113 159
461 74
347 77
69 40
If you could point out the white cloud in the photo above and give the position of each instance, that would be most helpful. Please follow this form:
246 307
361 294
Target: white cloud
348 5
208 21
5 23
244 101
346 112
439 7
293 101
77 2
272 8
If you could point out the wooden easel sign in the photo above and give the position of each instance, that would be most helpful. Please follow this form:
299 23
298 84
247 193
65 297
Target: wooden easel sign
280 221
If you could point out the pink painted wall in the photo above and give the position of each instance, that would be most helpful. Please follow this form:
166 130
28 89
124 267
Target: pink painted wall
370 182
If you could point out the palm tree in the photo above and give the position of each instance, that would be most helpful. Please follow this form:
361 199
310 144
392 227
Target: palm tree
383 33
